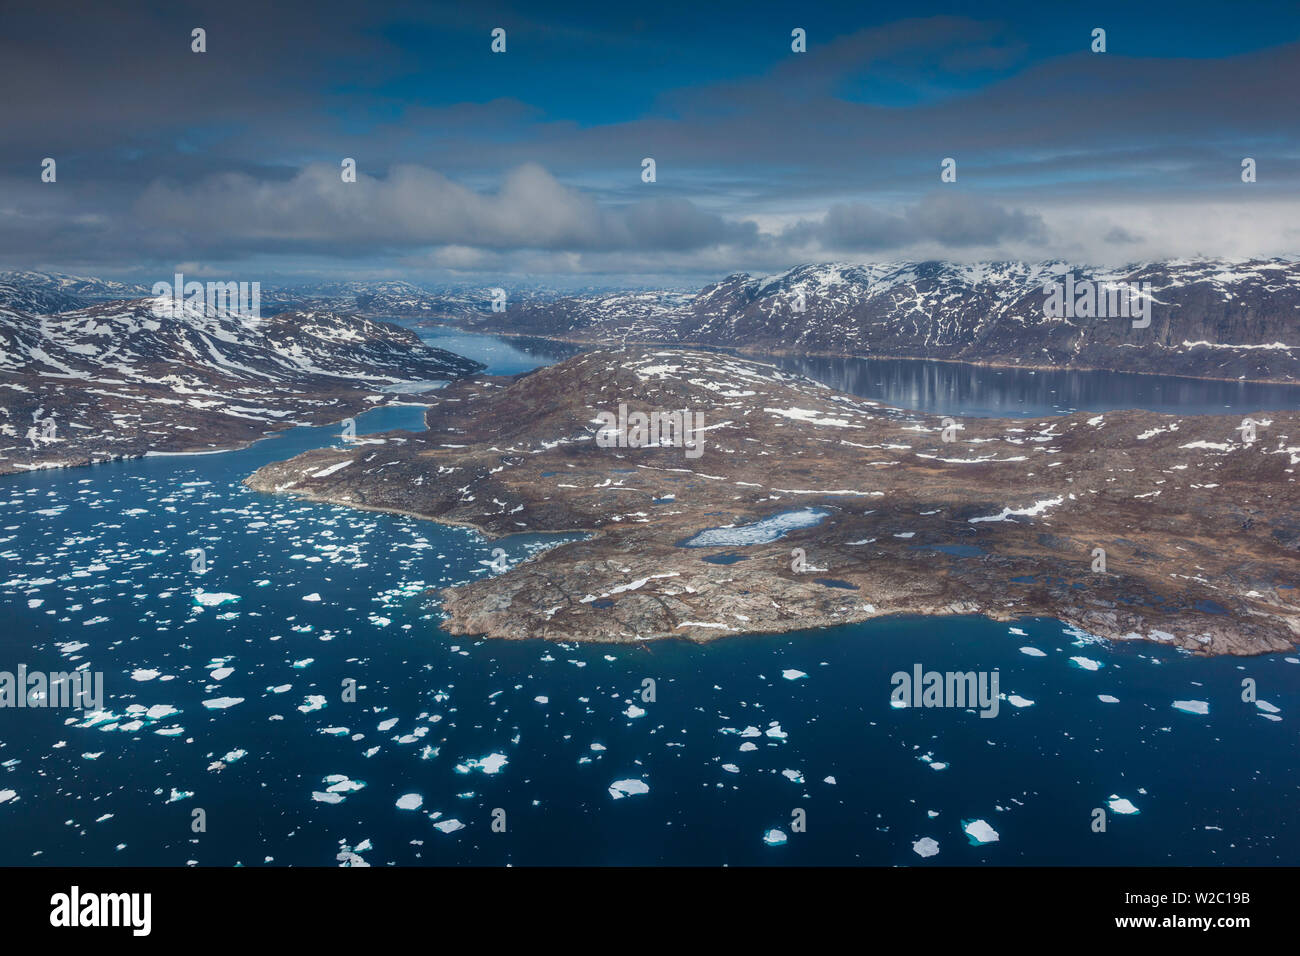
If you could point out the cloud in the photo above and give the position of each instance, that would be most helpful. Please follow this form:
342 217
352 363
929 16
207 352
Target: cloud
418 206
948 219
470 161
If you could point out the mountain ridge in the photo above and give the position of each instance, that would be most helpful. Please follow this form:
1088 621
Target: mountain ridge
122 379
1210 318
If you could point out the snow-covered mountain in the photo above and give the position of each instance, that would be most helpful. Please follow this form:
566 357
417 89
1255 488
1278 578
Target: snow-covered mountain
46 293
49 292
1209 317
127 378
146 341
399 299
382 298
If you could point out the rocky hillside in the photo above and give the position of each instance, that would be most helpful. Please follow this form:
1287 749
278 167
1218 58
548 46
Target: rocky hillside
800 507
121 379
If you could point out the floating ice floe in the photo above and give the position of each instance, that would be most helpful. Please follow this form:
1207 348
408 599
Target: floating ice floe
214 598
792 674
774 837
1086 663
1033 652
490 764
627 788
221 703
1121 805
926 846
1192 706
1107 699
410 801
449 826
978 832
338 786
1015 700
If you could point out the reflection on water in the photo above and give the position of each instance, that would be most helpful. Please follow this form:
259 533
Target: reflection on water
944 388
949 388
501 355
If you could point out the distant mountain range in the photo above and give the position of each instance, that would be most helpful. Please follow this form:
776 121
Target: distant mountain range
50 293
1209 318
121 379
45 293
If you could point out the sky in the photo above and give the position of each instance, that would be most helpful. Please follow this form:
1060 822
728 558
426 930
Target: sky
480 167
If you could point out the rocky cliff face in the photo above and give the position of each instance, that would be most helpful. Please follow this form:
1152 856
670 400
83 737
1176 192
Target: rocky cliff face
1208 318
121 379
793 506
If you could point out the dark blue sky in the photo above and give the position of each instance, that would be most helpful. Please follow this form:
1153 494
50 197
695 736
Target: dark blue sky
474 166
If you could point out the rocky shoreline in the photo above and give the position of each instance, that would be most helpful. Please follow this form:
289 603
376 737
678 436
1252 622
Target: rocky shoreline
829 509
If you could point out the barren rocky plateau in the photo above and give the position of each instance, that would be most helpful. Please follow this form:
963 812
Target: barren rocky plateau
1199 524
